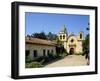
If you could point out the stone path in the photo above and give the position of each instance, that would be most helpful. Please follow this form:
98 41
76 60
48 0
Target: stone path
71 60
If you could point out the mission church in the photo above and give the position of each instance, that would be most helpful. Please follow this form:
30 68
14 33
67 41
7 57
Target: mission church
72 43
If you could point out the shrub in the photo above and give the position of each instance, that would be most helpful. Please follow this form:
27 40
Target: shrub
28 59
62 55
52 56
78 53
39 59
33 65
42 59
45 59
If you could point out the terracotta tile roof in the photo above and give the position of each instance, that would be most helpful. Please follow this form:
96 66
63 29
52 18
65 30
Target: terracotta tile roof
29 40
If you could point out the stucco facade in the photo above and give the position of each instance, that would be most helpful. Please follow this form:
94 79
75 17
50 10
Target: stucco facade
38 48
72 43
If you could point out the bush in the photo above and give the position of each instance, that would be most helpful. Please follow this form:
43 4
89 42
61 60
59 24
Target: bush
39 59
28 59
62 55
52 56
45 59
42 59
33 65
78 53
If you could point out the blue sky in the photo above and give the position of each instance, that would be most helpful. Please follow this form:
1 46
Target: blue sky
47 22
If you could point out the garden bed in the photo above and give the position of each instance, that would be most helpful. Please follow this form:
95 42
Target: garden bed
44 60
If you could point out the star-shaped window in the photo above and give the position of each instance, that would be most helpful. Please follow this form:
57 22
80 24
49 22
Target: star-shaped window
72 40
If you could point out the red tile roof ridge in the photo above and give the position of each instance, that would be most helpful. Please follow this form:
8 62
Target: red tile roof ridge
39 41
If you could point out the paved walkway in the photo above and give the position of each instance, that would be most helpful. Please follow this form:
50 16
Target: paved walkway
71 60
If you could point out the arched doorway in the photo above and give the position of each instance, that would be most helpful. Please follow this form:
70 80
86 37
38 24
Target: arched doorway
71 51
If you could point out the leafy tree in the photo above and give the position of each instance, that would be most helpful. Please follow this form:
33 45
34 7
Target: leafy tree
86 46
42 35
28 35
51 36
39 35
59 43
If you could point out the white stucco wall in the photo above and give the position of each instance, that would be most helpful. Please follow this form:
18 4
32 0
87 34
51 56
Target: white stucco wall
77 48
71 43
39 49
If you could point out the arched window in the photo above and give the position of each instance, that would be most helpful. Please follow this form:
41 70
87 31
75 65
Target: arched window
80 36
63 36
60 37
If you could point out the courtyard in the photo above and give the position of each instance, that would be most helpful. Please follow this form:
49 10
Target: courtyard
70 60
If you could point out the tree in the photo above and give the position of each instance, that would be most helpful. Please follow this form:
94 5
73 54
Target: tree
51 36
27 35
39 35
86 44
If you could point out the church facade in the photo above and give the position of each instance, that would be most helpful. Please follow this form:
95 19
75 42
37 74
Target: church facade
72 43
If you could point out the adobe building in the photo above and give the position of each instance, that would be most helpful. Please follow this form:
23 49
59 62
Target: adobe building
72 43
36 47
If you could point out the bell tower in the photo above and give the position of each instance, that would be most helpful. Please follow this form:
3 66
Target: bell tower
63 36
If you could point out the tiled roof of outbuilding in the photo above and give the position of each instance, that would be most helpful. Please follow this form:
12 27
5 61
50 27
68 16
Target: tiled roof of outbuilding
30 40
